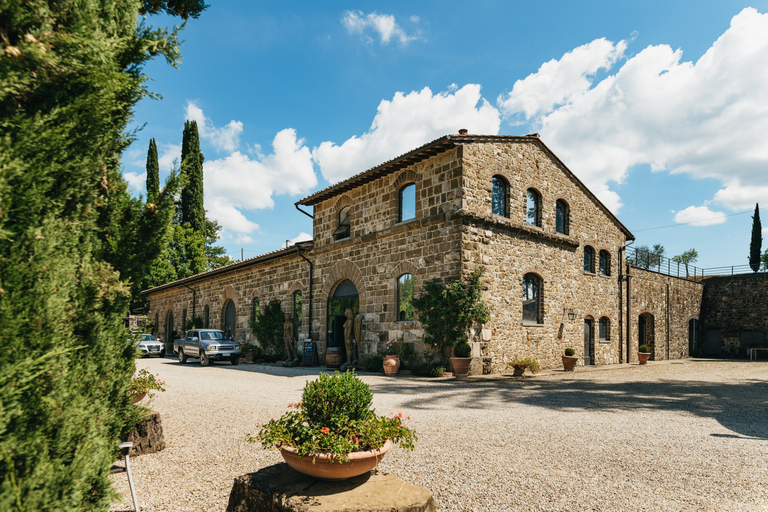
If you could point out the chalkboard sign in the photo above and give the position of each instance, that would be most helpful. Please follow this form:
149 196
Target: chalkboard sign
310 354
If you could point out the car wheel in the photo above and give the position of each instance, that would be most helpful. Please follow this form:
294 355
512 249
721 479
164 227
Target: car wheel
182 357
204 359
235 360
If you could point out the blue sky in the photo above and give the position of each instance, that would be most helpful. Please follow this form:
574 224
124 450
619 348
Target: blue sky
661 108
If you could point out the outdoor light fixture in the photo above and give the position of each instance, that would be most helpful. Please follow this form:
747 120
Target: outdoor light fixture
571 314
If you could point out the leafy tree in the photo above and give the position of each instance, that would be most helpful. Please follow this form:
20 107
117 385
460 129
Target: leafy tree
153 172
447 311
268 328
756 244
192 205
216 256
187 252
688 257
70 75
764 259
648 258
181 8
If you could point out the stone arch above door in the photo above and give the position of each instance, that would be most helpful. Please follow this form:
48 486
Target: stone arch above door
228 294
342 270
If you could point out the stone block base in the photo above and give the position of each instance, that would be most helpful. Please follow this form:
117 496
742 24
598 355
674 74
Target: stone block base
148 437
279 488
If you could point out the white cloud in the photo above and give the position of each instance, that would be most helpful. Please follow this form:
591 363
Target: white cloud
136 181
226 138
237 182
699 216
384 25
405 122
169 153
301 237
705 118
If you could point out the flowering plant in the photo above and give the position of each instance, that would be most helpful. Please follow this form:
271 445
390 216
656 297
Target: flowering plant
144 381
334 417
531 364
390 349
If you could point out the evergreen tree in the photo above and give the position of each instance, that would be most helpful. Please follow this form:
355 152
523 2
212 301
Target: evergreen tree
70 75
756 245
153 172
215 256
192 206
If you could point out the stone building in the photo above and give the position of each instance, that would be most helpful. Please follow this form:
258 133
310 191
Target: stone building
550 251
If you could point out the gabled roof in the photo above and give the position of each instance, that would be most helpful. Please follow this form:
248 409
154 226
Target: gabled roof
441 145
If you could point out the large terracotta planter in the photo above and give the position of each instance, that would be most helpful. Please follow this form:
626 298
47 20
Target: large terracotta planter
461 367
518 371
569 363
642 357
324 468
391 365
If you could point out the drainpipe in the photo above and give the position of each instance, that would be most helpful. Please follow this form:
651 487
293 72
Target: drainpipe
623 250
667 321
305 213
311 271
194 299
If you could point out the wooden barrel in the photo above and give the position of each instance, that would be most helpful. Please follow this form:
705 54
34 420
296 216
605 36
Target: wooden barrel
334 357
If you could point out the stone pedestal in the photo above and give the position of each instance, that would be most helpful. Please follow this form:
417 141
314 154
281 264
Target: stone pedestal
279 488
148 437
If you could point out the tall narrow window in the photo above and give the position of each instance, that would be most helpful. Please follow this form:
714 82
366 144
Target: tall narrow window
254 308
589 260
605 328
533 208
561 217
407 203
405 298
297 311
605 263
206 317
532 299
344 224
500 196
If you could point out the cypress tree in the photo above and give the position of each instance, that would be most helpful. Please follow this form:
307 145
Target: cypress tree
755 246
192 206
153 172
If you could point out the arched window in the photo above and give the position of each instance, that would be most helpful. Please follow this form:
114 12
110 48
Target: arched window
533 208
500 196
407 203
532 310
254 308
344 224
297 311
562 219
405 298
589 259
605 263
206 317
605 328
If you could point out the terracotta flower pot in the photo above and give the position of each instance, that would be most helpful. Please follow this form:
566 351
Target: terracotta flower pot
518 371
642 357
136 397
461 367
569 363
391 365
327 468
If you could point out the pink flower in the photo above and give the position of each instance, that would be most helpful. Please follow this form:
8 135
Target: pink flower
325 430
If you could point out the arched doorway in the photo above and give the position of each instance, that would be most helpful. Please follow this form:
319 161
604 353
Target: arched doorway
229 318
169 327
693 330
646 334
589 341
343 297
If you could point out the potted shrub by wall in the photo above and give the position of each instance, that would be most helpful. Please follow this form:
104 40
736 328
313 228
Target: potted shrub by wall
643 353
461 360
448 310
391 362
521 365
570 359
333 433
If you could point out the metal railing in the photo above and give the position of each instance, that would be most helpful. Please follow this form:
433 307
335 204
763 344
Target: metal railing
648 260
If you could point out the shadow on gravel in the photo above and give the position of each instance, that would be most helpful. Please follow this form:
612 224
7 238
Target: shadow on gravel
740 407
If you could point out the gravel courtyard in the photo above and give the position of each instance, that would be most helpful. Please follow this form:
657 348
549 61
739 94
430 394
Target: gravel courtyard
685 435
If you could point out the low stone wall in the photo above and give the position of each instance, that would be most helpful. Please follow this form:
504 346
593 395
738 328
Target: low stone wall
148 437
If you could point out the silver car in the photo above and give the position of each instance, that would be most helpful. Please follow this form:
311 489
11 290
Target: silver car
149 346
209 345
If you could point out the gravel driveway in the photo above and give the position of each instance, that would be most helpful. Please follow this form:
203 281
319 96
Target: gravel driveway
689 435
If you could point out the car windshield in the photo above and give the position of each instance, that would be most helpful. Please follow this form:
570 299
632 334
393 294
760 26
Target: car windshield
147 337
211 335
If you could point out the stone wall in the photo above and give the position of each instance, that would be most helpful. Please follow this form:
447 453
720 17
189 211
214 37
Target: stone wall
736 309
667 304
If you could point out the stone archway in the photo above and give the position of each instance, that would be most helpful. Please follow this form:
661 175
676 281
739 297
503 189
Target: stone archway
646 333
229 319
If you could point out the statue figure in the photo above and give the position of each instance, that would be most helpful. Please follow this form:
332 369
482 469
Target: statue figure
288 337
358 333
349 326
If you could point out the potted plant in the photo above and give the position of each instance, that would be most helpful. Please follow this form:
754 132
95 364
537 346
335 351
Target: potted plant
643 353
391 361
520 365
143 383
461 360
447 311
569 360
333 433
249 351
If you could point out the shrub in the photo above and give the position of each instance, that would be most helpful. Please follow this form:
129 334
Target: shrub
334 417
570 352
428 370
407 355
374 364
645 349
531 364
462 350
268 328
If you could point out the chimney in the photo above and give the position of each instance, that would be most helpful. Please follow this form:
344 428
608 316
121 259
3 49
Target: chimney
463 131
